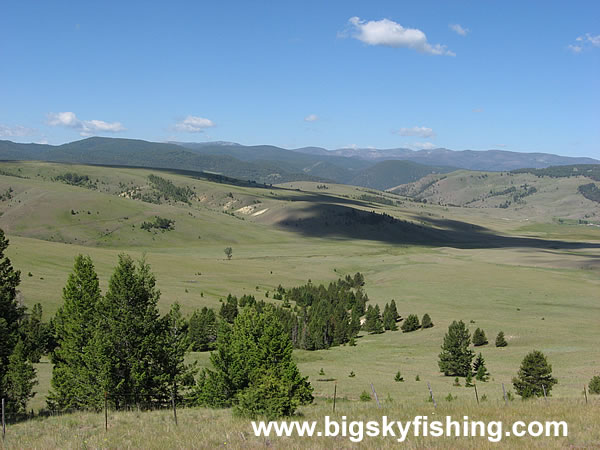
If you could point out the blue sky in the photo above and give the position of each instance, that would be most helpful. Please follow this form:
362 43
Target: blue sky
522 75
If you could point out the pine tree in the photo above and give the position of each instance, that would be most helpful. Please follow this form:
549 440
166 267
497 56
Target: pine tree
479 368
594 385
426 322
175 374
35 334
229 309
500 341
203 330
74 382
373 323
411 323
127 341
11 312
534 376
456 357
398 377
19 380
394 311
469 380
254 369
389 322
479 338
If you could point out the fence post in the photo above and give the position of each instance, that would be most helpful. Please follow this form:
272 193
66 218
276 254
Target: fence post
544 389
585 393
476 394
3 421
334 395
504 393
174 408
431 393
105 412
375 393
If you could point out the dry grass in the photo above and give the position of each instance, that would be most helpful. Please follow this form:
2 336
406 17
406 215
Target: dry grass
205 428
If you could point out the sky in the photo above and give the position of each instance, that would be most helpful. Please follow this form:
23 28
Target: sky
513 75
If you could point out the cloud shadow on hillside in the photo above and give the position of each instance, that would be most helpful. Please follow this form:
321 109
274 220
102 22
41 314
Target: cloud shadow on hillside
343 222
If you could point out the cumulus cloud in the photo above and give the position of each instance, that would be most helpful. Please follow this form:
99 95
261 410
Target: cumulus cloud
15 131
458 29
423 132
194 124
586 41
311 118
85 127
391 34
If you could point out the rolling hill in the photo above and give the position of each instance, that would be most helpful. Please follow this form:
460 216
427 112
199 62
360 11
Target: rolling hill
488 160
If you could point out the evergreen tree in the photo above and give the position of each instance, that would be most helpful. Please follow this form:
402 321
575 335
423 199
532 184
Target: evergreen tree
74 382
354 326
469 380
175 373
456 357
479 338
500 341
398 377
127 343
594 386
411 323
11 313
389 322
373 323
19 380
479 368
229 309
534 373
35 334
203 330
394 311
253 369
426 322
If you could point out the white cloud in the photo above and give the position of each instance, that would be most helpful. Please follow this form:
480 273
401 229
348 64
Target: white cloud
423 145
85 127
193 124
575 48
311 118
423 132
458 29
585 41
15 131
477 110
391 34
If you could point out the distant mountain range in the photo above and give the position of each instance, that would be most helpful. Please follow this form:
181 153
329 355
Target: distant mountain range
373 168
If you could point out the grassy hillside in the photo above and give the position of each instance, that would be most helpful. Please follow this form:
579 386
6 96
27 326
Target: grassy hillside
536 279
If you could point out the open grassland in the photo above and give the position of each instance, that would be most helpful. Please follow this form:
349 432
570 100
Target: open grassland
532 277
205 428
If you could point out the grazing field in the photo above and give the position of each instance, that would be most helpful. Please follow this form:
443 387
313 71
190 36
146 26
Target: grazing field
514 269
207 428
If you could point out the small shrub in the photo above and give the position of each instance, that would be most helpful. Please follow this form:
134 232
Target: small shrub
417 378
594 386
450 398
352 374
365 397
456 382
398 377
321 372
484 398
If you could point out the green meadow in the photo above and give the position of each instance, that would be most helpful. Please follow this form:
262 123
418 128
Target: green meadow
516 270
